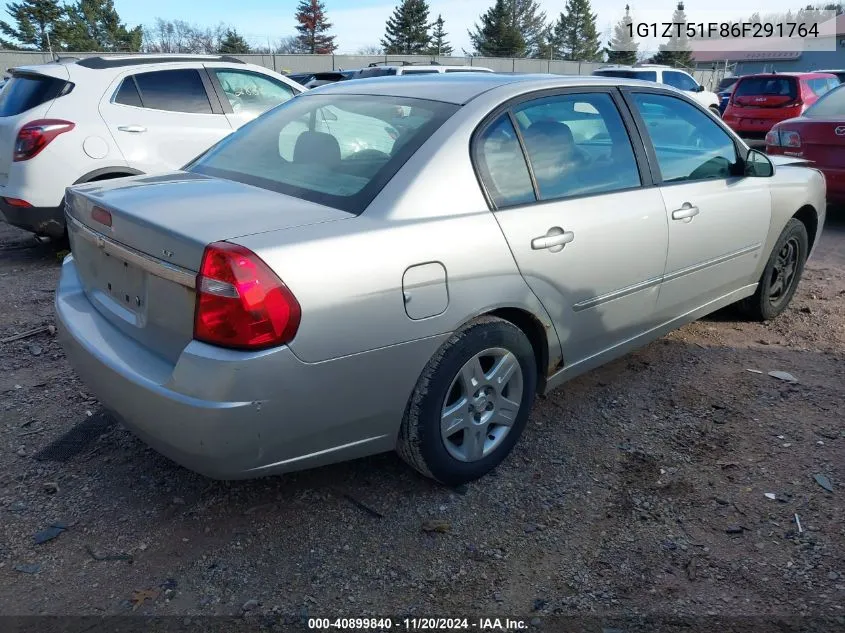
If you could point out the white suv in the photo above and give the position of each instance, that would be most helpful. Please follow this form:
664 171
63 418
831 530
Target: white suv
665 75
80 120
380 69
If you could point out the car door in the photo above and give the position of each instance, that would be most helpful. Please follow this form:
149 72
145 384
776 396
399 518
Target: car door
246 94
718 218
588 237
163 119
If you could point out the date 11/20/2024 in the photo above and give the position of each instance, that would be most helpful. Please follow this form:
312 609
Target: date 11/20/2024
417 624
703 30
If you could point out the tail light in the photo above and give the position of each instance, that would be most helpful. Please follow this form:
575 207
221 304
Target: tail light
790 139
36 135
241 303
773 138
16 202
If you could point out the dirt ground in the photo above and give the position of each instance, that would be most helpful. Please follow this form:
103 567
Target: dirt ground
638 489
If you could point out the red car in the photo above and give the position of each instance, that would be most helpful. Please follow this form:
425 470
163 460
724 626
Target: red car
818 135
760 101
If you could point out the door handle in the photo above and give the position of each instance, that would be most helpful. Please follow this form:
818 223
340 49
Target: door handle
685 213
135 129
554 240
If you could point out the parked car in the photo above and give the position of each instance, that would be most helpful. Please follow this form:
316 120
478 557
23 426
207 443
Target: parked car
283 303
724 90
79 120
839 73
759 101
819 136
664 75
300 78
319 79
400 69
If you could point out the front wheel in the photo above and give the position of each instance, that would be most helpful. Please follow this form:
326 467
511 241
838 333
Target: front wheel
781 275
715 111
471 403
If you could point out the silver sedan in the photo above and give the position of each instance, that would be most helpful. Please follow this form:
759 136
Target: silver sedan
404 264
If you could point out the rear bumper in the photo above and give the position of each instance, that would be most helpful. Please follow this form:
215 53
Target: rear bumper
756 128
236 415
48 221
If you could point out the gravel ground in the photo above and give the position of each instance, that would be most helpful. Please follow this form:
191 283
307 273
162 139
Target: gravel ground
640 488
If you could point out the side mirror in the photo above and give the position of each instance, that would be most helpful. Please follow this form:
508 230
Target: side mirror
758 165
700 88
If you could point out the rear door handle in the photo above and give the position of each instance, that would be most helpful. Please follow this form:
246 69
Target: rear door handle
685 213
554 240
135 129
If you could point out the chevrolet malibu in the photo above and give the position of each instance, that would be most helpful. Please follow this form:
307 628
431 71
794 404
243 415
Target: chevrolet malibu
290 299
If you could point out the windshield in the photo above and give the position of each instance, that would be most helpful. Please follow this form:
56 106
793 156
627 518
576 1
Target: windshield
830 106
645 75
336 150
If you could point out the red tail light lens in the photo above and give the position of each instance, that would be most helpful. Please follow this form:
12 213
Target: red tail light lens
16 202
773 138
36 135
241 303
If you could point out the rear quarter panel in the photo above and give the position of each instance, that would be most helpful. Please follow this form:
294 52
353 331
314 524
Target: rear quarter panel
793 188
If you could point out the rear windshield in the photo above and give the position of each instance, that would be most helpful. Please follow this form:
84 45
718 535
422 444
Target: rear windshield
336 150
24 92
767 86
645 75
832 105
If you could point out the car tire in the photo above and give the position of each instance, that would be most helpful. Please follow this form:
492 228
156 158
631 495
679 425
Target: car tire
715 111
461 382
781 275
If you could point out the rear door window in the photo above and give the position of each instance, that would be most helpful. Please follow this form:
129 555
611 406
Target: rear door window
179 90
23 92
577 145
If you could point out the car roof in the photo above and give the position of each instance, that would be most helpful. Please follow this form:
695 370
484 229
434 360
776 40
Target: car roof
800 74
461 88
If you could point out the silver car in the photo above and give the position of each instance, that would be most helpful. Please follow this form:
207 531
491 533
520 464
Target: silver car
406 263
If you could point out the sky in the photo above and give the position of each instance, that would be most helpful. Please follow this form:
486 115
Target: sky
360 23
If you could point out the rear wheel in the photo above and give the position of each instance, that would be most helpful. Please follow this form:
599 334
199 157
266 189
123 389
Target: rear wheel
781 275
715 111
471 403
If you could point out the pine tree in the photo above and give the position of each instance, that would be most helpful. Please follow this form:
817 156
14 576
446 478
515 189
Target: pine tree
530 21
406 31
676 51
36 23
233 43
495 36
439 46
576 32
94 25
622 49
313 28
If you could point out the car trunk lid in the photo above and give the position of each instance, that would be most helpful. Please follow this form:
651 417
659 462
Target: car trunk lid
138 244
821 141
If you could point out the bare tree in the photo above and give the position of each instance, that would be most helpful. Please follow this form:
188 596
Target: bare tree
177 36
370 50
